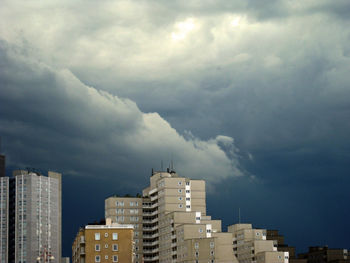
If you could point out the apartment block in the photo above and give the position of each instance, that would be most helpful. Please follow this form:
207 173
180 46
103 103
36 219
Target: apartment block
128 210
251 245
173 220
34 217
111 242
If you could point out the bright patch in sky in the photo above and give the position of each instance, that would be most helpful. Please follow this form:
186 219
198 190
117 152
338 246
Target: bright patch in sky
236 21
183 29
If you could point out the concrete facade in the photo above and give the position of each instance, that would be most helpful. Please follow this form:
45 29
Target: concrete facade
174 220
34 216
251 245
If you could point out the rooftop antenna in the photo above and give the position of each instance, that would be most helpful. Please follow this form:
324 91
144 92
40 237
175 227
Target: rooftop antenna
239 215
172 163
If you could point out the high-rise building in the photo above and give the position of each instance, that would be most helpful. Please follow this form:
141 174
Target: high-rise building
170 222
4 218
171 225
31 210
109 242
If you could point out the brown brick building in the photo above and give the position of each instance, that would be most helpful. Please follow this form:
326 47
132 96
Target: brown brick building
111 242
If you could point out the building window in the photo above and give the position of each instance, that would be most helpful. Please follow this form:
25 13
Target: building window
97 259
200 230
106 256
196 254
180 183
106 234
106 245
97 247
115 247
115 236
188 206
212 253
180 190
97 236
188 199
196 245
180 198
188 191
211 244
187 183
180 205
115 258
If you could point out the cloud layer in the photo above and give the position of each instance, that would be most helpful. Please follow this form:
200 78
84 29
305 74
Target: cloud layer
57 120
111 88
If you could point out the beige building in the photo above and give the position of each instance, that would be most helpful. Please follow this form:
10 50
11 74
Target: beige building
172 219
251 245
111 242
173 226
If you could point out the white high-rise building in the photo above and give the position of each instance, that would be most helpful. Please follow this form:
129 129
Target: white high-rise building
34 217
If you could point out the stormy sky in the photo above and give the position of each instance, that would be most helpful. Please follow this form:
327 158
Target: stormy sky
252 96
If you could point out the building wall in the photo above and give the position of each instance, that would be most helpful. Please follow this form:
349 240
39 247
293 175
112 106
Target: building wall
87 247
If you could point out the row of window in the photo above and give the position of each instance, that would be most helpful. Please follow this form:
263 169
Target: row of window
114 257
98 247
98 236
196 245
121 203
181 206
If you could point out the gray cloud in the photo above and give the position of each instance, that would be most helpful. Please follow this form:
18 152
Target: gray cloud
273 75
64 123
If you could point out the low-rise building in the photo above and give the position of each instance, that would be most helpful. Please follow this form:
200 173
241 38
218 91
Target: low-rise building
325 255
111 242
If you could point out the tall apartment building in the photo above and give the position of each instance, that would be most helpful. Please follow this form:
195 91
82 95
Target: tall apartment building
251 245
30 217
4 218
171 222
110 242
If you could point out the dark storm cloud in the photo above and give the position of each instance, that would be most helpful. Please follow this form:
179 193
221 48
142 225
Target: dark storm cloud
273 75
74 127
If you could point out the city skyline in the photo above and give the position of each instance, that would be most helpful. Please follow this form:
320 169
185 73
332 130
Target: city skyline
250 96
